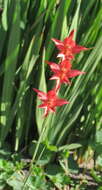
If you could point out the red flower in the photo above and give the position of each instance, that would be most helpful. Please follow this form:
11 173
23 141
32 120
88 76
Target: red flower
68 47
50 100
62 73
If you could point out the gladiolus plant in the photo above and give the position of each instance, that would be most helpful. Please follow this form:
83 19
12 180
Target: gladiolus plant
62 73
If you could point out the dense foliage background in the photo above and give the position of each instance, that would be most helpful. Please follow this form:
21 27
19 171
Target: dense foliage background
26 29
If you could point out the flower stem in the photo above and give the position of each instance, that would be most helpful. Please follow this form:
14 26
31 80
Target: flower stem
35 152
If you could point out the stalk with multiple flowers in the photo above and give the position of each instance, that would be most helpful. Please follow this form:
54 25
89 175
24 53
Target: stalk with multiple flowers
62 73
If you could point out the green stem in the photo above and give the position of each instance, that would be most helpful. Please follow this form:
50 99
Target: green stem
35 152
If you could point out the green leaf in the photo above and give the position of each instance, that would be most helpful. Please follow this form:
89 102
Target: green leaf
70 147
10 67
16 181
74 24
5 15
99 161
99 136
42 87
59 180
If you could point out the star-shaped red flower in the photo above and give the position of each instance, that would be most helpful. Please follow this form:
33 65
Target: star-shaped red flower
50 100
68 48
62 73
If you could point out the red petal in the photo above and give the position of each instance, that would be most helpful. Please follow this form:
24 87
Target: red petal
78 48
69 40
54 67
71 35
74 73
58 43
60 102
41 95
55 77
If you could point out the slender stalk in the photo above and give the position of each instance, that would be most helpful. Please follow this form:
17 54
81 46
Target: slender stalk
35 152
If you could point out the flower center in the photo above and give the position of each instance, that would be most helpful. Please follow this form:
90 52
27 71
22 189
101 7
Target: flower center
51 103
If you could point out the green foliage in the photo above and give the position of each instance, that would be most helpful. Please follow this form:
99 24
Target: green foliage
60 180
10 174
26 29
13 172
